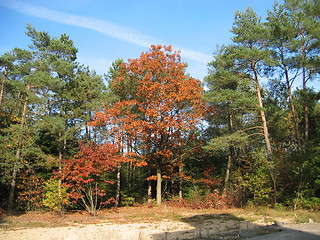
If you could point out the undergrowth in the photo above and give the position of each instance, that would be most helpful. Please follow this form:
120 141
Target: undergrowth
211 200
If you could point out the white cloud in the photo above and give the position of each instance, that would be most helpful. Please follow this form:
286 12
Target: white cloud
197 56
104 27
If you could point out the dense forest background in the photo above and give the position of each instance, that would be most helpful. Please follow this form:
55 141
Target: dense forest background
249 133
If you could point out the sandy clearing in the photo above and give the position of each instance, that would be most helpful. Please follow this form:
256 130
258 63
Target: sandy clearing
136 231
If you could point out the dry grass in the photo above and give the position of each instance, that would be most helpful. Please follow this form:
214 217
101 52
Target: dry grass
284 215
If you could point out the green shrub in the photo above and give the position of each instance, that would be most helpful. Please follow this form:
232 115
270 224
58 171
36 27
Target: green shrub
312 203
56 196
127 201
259 185
196 192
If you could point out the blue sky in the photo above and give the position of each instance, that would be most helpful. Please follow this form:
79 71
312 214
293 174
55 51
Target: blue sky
104 30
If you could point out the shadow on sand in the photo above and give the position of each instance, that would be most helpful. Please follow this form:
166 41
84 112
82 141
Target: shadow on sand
294 232
226 226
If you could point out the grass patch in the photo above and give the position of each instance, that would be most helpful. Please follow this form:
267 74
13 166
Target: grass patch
177 217
9 224
303 216
298 216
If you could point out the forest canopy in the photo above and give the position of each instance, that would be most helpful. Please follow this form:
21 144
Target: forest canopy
148 132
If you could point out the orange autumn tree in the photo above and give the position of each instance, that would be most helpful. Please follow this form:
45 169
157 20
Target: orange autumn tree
157 110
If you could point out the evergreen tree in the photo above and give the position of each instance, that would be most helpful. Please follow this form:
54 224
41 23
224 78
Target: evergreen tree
250 56
303 18
232 97
46 102
281 35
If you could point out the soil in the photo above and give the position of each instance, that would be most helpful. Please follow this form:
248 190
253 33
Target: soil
137 223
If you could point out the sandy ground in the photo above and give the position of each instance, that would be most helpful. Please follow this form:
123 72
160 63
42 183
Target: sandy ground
221 229
164 230
147 224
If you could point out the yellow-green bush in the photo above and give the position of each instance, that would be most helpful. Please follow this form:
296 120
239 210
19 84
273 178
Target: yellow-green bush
56 196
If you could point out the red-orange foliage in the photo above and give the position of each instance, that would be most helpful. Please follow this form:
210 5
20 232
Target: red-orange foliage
30 190
82 174
214 200
90 161
208 180
159 105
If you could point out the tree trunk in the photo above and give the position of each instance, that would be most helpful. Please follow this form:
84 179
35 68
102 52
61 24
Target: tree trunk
61 149
180 182
13 185
305 107
118 186
230 156
18 152
295 119
89 137
292 107
2 88
60 156
159 180
304 88
60 181
149 192
226 179
263 119
265 133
